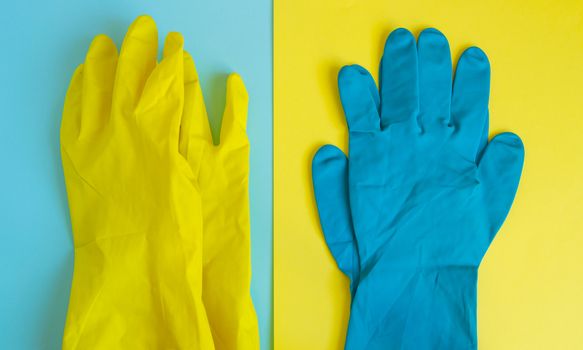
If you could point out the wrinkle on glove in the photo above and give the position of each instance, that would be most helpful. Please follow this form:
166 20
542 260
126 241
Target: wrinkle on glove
135 207
420 196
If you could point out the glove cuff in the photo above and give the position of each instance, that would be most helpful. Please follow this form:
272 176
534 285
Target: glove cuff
423 309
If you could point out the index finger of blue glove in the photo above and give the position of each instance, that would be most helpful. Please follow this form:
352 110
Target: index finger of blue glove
360 98
471 91
330 179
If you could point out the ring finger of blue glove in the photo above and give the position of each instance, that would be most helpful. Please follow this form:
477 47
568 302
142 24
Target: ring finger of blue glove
399 83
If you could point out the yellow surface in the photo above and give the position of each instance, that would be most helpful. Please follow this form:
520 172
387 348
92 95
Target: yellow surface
531 280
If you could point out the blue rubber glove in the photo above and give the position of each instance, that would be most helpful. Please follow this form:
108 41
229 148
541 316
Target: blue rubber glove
410 213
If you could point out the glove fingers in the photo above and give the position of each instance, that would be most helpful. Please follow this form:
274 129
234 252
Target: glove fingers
471 92
234 124
160 108
99 75
434 78
330 178
499 173
136 61
71 122
224 185
360 98
399 83
483 139
195 133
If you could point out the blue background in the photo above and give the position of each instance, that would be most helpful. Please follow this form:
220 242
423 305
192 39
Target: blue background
42 43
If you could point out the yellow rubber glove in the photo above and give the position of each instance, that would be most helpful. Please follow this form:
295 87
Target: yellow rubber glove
223 178
135 207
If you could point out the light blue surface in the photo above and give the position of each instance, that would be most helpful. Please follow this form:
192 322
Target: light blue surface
42 43
410 213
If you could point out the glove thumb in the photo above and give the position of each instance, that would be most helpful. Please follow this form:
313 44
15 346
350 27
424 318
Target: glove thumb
330 178
499 173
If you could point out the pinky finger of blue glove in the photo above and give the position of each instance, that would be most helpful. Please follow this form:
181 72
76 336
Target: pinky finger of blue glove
330 178
499 173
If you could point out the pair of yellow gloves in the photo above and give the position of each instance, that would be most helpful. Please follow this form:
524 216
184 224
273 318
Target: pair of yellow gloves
160 214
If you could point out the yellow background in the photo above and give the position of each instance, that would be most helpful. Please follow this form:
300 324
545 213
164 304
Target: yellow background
531 280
